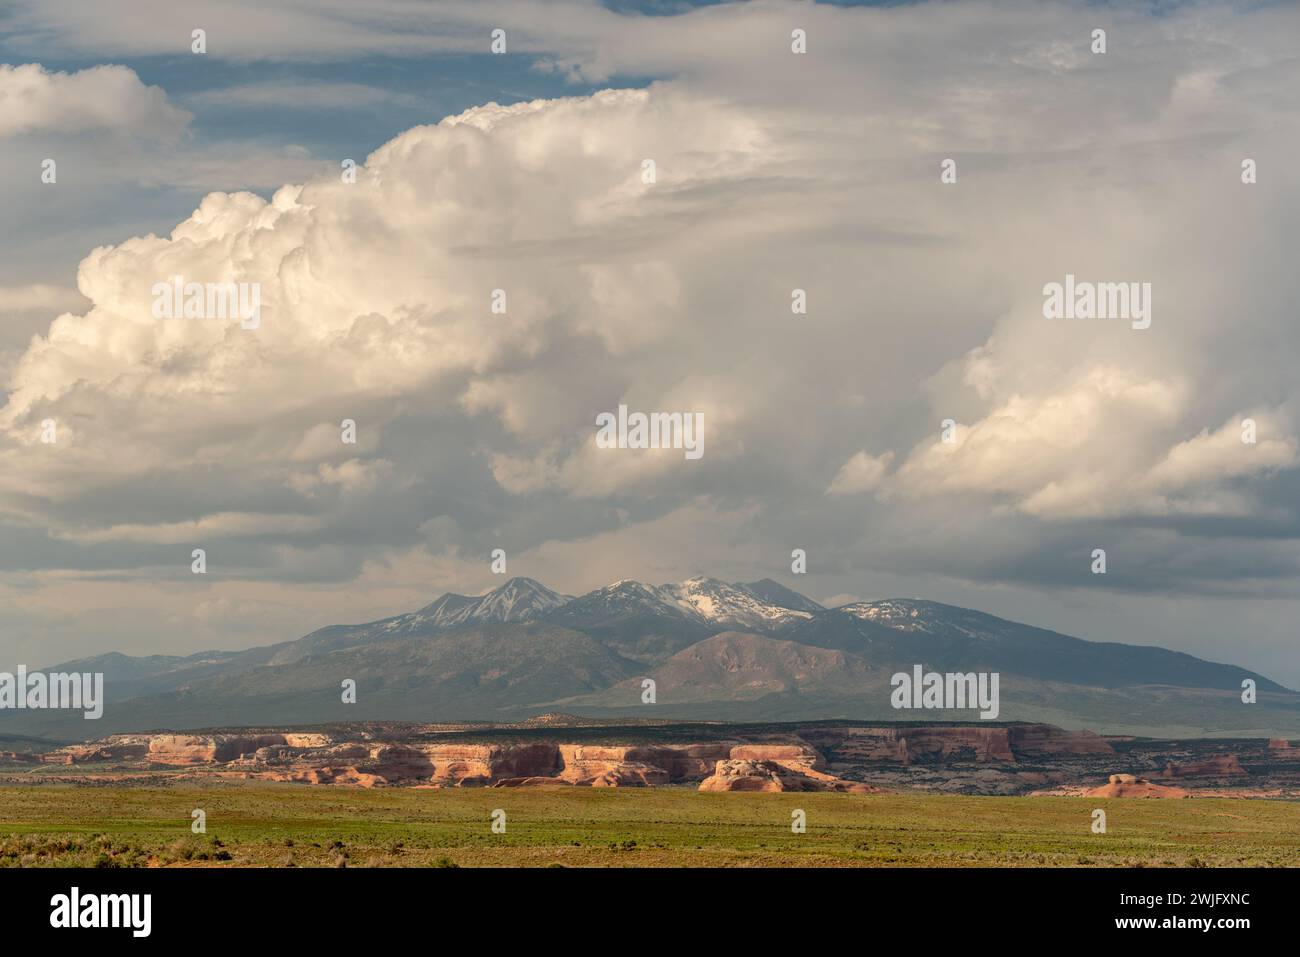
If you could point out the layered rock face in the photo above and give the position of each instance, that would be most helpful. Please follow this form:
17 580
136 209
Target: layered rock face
801 758
369 765
318 759
921 744
748 776
799 768
99 751
180 749
184 749
603 766
608 766
686 762
1030 739
476 764
612 774
329 775
836 756
898 745
21 757
482 765
1225 765
205 749
722 766
751 774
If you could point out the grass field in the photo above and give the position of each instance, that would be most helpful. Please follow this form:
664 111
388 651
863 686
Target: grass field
260 824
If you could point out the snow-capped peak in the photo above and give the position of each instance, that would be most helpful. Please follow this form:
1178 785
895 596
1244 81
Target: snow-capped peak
721 602
519 599
706 600
628 595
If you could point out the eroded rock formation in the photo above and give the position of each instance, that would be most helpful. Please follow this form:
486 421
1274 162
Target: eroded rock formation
906 745
1225 765
1128 786
611 766
1037 739
751 774
205 749
937 758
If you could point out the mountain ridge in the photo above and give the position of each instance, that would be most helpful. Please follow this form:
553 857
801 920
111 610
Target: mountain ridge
720 649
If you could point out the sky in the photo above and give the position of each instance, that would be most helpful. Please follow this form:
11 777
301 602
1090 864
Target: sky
524 172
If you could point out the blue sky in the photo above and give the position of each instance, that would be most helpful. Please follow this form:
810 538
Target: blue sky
326 107
363 103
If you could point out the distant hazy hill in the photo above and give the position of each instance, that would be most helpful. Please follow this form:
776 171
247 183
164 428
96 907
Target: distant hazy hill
755 651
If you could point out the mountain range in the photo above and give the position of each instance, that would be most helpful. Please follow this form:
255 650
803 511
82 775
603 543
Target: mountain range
753 651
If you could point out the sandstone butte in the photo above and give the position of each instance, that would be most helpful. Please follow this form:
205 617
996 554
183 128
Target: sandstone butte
789 767
1128 786
1219 766
796 762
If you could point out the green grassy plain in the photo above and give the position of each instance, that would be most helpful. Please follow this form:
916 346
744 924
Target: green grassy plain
264 824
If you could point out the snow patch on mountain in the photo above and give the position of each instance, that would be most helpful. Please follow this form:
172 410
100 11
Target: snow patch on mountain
630 595
719 602
519 599
709 601
923 617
